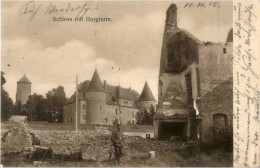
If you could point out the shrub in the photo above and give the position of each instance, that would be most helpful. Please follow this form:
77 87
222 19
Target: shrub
223 138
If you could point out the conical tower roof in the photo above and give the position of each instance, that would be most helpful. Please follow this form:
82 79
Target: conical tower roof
24 79
146 94
96 84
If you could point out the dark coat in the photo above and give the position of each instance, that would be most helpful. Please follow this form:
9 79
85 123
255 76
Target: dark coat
116 138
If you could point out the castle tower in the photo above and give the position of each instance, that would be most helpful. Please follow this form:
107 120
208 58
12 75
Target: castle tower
146 98
23 90
96 101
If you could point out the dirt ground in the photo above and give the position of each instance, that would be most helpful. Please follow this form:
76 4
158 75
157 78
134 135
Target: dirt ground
91 147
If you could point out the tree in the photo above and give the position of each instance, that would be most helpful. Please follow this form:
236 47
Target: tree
152 113
145 117
36 108
7 105
55 99
19 109
139 117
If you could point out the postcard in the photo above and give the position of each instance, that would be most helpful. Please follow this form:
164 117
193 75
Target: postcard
130 84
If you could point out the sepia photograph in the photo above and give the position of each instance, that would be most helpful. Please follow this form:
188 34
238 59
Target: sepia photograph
117 84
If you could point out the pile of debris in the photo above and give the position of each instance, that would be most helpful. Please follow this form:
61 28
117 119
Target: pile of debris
95 145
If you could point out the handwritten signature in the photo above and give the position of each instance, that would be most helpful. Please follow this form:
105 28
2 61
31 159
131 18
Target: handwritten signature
32 9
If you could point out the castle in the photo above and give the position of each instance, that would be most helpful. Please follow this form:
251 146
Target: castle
23 90
195 84
100 103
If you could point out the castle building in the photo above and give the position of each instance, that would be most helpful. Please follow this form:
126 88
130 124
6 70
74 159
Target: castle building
195 84
100 103
23 90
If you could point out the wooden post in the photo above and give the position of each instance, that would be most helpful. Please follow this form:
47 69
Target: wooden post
76 119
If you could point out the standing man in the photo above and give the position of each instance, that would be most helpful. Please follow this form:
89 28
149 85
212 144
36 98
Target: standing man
117 142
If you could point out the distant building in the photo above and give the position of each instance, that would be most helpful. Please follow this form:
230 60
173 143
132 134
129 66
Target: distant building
195 84
18 118
23 90
100 103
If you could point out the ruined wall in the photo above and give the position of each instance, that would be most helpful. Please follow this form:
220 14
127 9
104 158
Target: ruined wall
180 85
217 101
215 63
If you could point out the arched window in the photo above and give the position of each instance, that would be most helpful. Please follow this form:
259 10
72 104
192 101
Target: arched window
219 121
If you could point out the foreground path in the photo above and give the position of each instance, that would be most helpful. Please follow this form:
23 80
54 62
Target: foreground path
16 138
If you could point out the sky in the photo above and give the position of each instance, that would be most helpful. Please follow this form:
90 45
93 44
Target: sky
52 53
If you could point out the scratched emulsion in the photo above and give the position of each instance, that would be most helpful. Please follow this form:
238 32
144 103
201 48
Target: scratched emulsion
246 80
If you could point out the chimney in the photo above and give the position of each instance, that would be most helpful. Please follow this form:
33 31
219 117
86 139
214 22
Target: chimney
129 89
171 16
105 84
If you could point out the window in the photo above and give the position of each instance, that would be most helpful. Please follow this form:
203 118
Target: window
116 111
125 102
100 107
219 121
133 113
84 117
188 87
198 81
133 121
224 50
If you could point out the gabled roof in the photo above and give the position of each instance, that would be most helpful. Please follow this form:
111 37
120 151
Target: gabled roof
24 79
147 94
96 84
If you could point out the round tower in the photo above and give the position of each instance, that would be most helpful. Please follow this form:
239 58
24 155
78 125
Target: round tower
96 101
23 90
146 98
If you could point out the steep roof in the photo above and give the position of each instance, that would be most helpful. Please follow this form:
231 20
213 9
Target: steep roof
146 94
24 79
81 92
96 84
116 92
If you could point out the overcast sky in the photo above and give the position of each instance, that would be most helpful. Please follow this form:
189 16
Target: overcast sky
52 53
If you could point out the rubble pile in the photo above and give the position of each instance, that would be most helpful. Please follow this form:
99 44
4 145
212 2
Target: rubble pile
92 145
